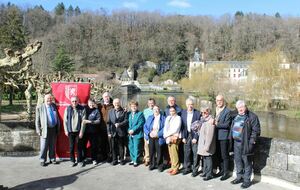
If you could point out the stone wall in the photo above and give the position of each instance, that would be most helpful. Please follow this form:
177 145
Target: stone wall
273 157
18 137
278 158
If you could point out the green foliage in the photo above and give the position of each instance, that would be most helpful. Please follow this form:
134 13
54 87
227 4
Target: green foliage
152 74
59 9
77 11
70 11
179 70
12 31
62 61
180 62
146 75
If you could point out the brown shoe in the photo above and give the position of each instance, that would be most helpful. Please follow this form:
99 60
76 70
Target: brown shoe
174 172
146 163
170 171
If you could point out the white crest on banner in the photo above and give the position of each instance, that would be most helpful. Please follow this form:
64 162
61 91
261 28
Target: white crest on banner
70 91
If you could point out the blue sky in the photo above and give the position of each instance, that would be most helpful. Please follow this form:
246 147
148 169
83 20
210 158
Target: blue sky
186 7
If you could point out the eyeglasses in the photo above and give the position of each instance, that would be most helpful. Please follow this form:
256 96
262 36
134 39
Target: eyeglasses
74 100
205 112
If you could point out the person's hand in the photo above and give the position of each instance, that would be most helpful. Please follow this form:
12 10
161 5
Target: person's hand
109 136
67 134
153 134
39 134
80 135
147 141
117 125
194 141
130 132
212 121
86 121
184 141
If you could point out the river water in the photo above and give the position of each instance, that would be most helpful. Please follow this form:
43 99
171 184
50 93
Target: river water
272 125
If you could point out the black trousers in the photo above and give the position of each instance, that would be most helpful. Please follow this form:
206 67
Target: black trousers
243 163
222 156
74 141
92 138
207 164
104 145
191 158
156 152
118 145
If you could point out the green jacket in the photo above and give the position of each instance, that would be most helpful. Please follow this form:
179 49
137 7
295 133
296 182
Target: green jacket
136 124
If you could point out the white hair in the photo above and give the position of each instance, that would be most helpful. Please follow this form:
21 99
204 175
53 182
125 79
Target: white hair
116 100
240 103
189 100
106 94
171 97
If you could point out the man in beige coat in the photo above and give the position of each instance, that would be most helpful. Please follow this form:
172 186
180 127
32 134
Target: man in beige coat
47 126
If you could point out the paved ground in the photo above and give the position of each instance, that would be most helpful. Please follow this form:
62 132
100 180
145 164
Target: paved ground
26 173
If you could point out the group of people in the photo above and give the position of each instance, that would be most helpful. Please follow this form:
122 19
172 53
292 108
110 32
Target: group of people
165 138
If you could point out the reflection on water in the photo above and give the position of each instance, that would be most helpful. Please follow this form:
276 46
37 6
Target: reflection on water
275 125
272 125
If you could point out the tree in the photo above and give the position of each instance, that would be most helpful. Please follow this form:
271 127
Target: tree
207 81
70 11
277 15
37 21
62 62
77 11
59 9
264 77
181 58
12 31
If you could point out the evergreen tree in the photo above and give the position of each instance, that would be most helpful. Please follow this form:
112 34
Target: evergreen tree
181 58
12 31
62 61
60 9
70 11
77 11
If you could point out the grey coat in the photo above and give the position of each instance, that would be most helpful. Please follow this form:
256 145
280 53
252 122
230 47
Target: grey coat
207 139
41 122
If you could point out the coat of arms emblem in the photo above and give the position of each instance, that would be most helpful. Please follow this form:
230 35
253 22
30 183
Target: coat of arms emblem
70 91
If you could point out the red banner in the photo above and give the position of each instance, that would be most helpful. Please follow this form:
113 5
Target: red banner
62 92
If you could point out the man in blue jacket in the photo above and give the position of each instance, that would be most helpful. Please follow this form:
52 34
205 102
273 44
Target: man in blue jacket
190 138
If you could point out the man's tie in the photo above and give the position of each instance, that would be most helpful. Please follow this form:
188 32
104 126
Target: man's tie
52 118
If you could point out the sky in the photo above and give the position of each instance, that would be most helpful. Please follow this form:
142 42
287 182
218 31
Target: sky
184 7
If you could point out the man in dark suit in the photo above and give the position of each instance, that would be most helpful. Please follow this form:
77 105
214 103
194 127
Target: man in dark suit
190 138
222 123
117 125
47 127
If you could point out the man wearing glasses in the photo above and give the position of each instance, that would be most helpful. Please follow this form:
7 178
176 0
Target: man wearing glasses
47 126
222 123
73 120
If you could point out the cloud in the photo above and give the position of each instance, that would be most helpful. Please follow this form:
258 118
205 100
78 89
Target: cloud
130 5
179 3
